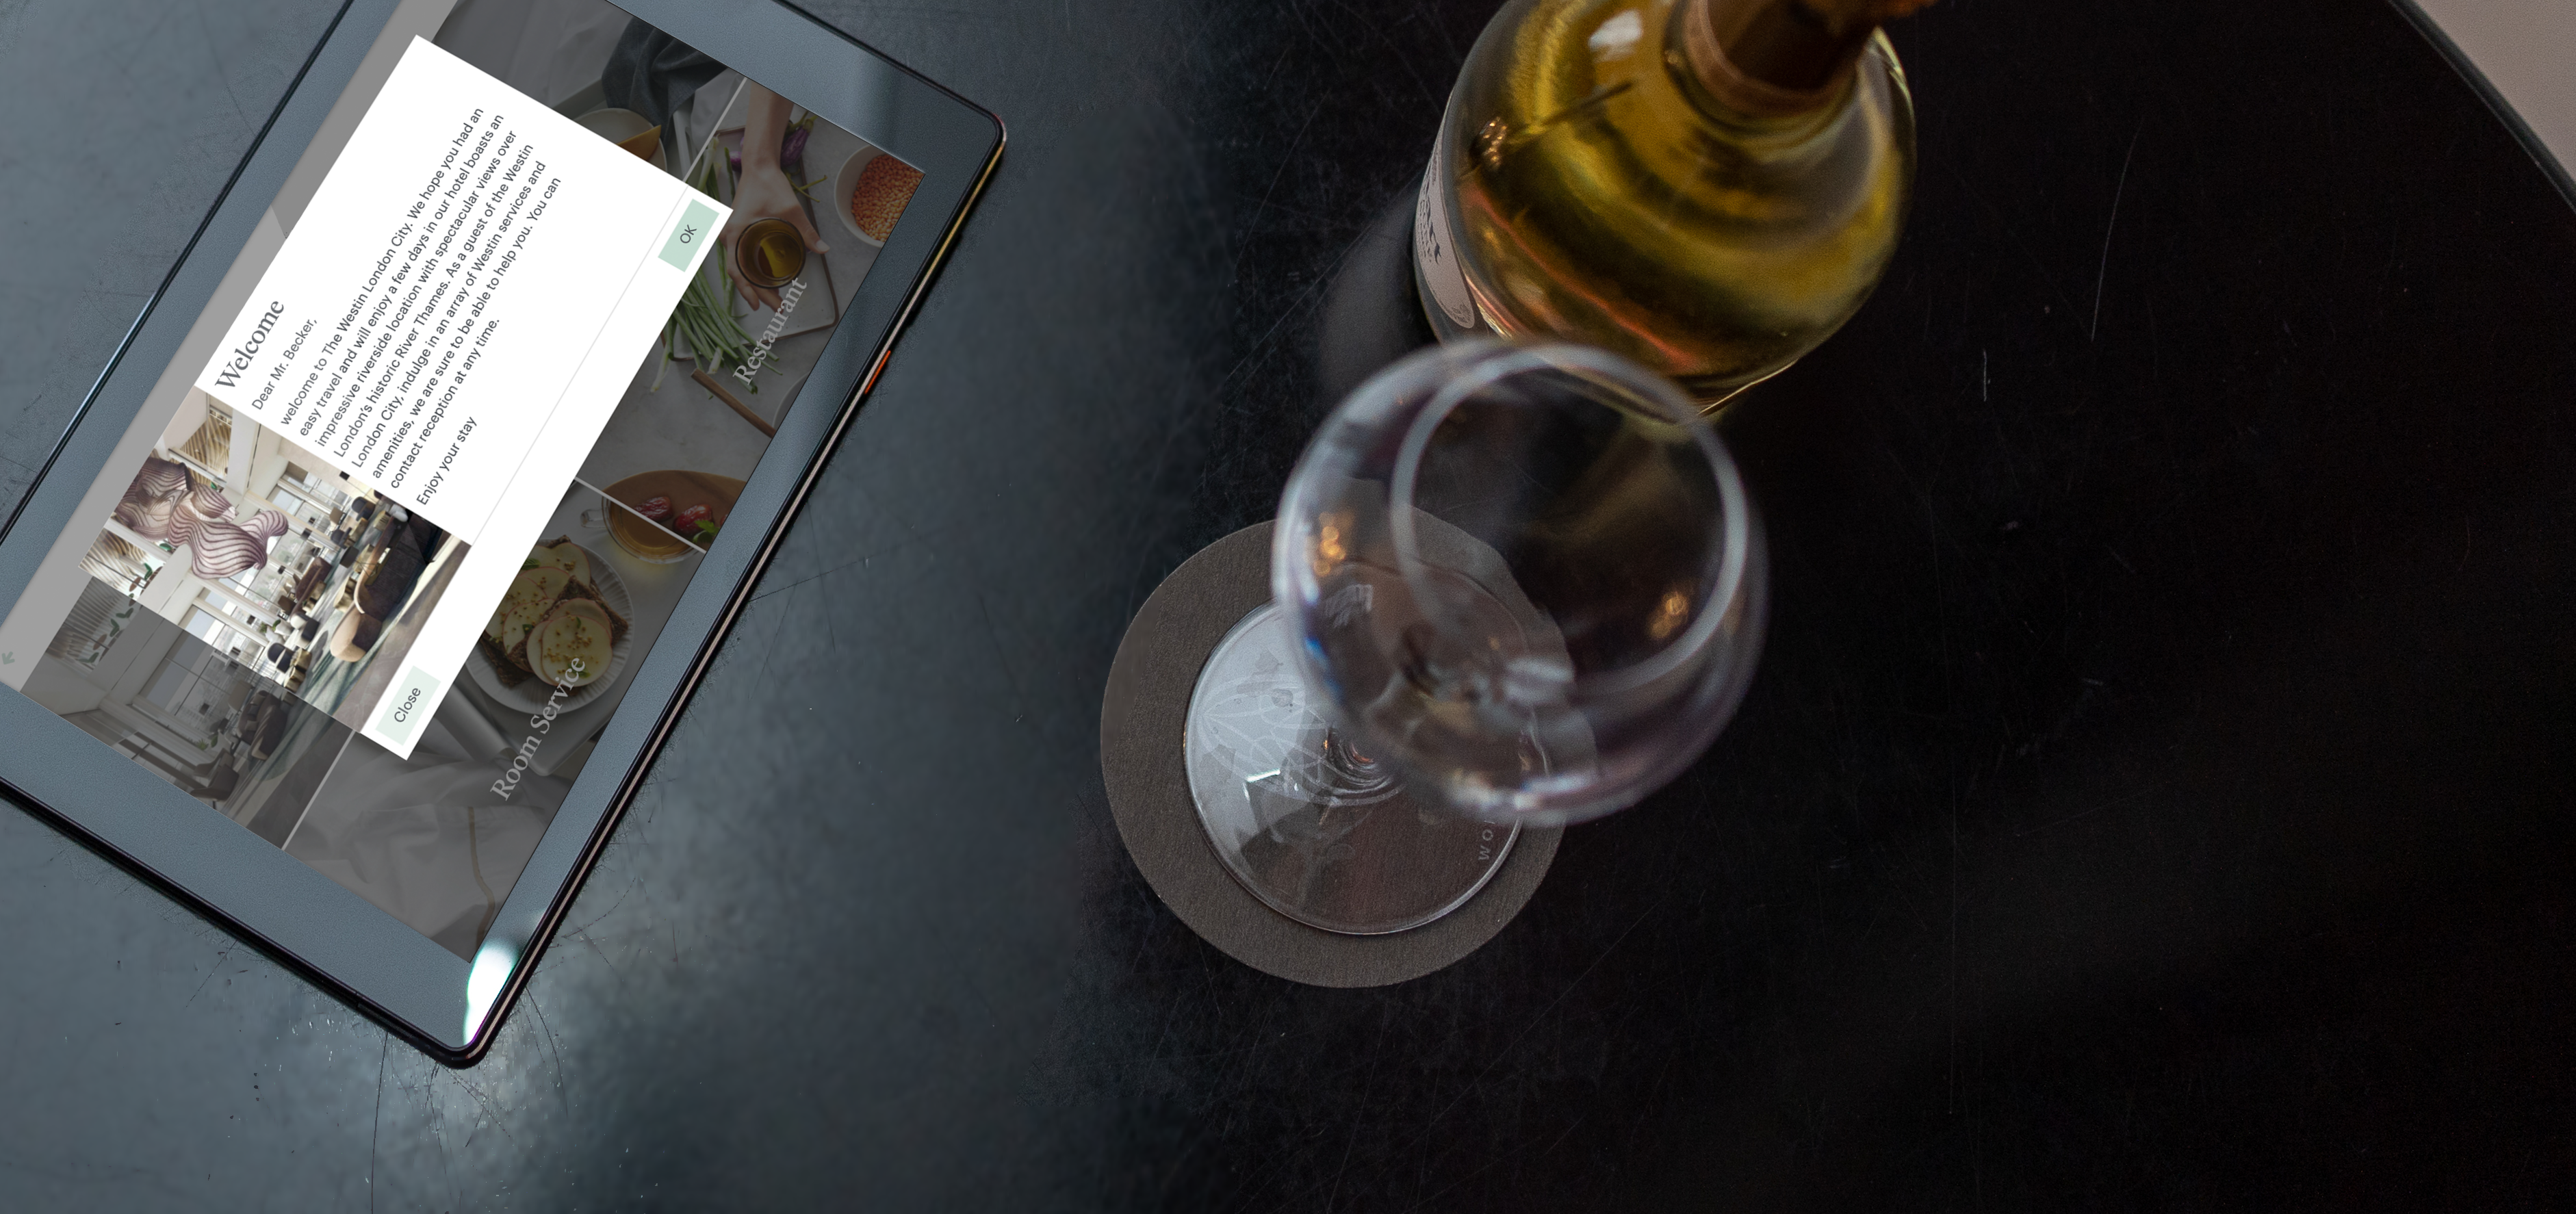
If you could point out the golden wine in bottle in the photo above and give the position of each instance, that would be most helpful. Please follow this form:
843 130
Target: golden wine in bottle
1710 187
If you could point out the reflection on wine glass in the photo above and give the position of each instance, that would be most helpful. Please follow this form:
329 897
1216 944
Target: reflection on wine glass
1511 585
1309 820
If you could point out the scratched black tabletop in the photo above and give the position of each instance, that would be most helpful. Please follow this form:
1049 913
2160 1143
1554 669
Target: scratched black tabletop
2156 794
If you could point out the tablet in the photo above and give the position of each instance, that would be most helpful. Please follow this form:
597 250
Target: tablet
361 591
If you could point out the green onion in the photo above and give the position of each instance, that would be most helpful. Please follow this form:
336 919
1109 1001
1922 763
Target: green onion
704 317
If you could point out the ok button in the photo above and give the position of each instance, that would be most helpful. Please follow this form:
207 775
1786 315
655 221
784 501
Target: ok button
685 237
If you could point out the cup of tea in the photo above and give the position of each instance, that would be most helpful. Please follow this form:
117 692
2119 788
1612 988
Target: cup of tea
769 253
642 540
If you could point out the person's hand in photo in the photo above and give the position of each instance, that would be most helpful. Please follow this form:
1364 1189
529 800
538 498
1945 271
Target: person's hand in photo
763 191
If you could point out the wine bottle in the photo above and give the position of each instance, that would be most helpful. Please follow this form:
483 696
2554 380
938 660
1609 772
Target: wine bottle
1710 187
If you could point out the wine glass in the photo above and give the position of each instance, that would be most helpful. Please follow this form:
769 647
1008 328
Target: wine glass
1511 585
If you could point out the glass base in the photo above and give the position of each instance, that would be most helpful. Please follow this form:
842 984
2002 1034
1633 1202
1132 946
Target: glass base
1306 820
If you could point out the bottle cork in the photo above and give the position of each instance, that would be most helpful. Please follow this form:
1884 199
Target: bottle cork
1780 58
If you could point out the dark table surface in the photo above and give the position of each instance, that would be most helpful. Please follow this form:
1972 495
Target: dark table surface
2156 793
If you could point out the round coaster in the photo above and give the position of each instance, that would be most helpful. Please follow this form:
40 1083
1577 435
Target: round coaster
1143 761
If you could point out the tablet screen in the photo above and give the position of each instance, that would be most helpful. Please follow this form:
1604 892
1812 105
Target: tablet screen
370 570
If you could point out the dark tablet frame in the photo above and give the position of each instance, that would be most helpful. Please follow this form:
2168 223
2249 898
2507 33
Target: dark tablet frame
447 1007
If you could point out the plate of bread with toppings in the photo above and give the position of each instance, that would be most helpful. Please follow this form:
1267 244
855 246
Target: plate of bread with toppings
564 624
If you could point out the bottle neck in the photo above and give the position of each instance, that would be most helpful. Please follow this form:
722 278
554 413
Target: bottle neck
1769 58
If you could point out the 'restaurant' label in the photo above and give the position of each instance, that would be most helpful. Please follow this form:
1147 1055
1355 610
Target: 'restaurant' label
1434 258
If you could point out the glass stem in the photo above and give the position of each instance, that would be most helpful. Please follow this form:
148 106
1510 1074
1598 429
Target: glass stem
1349 774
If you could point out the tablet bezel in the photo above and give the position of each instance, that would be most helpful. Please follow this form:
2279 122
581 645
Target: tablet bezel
444 1005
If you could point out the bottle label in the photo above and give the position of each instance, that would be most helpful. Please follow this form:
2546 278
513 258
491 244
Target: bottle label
1433 255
